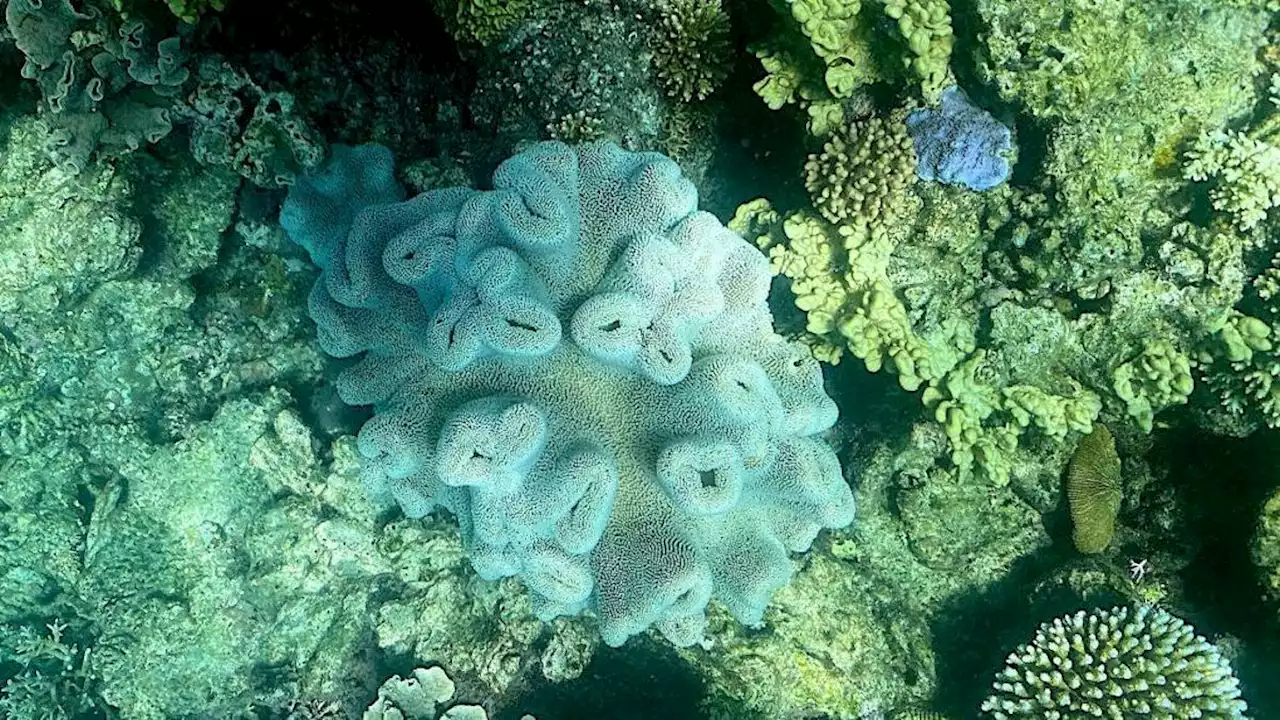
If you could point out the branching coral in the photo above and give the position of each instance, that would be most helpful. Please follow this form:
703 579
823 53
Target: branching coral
863 172
1116 663
1245 172
691 47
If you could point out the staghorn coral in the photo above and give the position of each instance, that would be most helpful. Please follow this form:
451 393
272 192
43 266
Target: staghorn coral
1093 490
1116 663
507 339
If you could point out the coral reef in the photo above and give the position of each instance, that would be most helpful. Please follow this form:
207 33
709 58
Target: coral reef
1093 489
1116 663
186 524
1093 299
112 92
960 143
506 339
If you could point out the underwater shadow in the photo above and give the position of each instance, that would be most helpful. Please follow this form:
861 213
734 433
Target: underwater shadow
1221 483
640 681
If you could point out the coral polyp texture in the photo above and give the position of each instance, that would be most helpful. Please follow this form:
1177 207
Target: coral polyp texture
1117 663
581 367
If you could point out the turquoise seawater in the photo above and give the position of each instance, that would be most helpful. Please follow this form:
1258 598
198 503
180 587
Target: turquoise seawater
639 359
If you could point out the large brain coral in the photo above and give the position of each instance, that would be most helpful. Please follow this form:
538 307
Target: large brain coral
581 366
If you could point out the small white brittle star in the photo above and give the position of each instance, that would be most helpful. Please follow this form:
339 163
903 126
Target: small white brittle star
1138 569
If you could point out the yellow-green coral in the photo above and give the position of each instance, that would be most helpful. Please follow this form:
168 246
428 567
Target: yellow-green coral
1053 415
482 22
961 402
838 278
926 27
691 48
861 181
1243 335
824 58
983 422
1158 377
863 173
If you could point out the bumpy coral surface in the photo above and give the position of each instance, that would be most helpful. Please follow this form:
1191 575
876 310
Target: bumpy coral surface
582 368
960 143
1117 663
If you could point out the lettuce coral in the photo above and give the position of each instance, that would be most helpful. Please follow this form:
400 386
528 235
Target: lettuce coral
582 368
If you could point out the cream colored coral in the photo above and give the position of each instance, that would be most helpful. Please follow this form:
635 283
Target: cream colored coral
1245 172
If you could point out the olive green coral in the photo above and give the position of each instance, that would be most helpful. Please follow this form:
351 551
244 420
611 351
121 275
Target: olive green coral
691 49
1117 663
1093 490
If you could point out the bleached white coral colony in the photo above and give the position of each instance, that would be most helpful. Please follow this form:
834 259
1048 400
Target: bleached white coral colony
581 367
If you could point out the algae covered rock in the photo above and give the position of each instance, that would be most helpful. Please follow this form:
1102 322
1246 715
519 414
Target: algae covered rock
60 233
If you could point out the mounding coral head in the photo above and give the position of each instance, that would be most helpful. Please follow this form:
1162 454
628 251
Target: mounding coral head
582 368
1117 664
